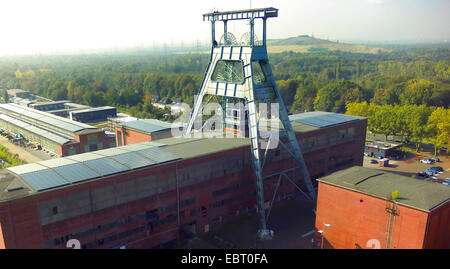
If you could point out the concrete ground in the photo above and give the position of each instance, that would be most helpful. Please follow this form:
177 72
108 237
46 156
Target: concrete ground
293 223
412 165
26 154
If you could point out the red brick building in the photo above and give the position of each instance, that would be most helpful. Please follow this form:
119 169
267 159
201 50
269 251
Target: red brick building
57 134
355 209
138 131
147 195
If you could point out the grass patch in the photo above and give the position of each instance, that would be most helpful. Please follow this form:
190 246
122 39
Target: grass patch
9 159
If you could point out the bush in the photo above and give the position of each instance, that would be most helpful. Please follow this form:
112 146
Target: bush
11 160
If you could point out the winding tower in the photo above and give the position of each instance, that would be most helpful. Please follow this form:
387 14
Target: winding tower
231 74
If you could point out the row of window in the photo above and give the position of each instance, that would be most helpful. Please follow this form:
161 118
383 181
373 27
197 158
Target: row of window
233 199
151 215
232 188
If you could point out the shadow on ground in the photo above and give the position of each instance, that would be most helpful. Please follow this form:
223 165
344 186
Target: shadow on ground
289 221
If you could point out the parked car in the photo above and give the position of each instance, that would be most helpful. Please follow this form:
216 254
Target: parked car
436 160
431 171
423 174
446 181
426 161
438 169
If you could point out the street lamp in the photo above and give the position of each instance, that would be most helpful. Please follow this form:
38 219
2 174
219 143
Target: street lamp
322 232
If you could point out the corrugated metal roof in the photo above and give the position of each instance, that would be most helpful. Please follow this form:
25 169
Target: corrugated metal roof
53 163
26 168
419 194
106 166
133 160
94 109
148 126
88 166
140 146
158 155
195 147
44 179
65 124
322 119
77 172
48 135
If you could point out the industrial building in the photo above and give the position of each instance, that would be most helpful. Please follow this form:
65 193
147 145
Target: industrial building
146 195
48 106
380 149
59 135
68 107
366 208
21 101
94 114
18 93
138 131
65 108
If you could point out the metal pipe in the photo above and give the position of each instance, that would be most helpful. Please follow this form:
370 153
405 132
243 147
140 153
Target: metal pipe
264 31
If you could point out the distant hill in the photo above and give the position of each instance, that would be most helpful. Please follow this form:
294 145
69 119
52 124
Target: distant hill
306 43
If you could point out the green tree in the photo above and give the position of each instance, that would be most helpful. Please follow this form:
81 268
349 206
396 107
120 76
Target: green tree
94 98
387 96
288 89
442 70
338 71
384 120
359 109
304 99
112 97
439 128
334 96
417 92
5 96
416 119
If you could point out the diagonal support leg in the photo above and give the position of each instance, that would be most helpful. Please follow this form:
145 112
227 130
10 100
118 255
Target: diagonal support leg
284 117
264 233
197 108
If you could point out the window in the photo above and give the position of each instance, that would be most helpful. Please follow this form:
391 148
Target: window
229 72
236 114
119 138
55 210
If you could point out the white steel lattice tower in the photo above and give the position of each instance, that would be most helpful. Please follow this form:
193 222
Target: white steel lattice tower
230 74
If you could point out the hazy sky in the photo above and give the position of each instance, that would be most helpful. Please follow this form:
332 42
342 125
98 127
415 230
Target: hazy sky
31 26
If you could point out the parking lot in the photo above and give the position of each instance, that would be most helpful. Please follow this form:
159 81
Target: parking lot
411 165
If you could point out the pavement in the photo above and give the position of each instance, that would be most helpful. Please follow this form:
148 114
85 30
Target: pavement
412 165
26 154
292 221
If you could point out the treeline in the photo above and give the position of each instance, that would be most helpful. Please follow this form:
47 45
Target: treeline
415 123
317 81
